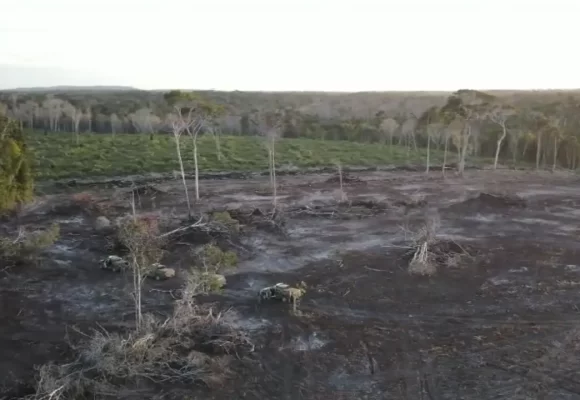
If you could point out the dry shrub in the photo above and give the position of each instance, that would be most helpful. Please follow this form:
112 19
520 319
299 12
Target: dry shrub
27 245
174 351
429 252
422 262
88 202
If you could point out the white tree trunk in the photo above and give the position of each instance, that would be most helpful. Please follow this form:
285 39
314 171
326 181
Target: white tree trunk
463 150
428 153
555 154
274 171
498 147
180 159
218 146
196 167
445 154
538 150
137 294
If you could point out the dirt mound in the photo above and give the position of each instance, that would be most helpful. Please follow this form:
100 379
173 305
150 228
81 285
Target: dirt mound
487 201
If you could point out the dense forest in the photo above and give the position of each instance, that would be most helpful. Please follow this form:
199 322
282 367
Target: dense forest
539 126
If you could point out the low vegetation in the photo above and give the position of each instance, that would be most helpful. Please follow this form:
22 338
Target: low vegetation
26 245
58 157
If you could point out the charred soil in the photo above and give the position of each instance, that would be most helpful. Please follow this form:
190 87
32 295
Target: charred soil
497 319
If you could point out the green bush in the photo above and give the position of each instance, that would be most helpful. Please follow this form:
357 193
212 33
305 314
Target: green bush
27 245
216 260
224 218
16 183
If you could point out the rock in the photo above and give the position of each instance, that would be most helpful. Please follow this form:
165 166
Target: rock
102 222
114 263
161 272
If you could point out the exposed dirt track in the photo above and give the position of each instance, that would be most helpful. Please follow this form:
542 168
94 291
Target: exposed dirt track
498 321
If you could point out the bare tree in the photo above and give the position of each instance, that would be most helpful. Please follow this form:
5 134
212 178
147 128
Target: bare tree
142 239
269 124
193 114
215 131
29 110
433 130
500 115
88 115
453 131
408 134
388 127
115 122
144 120
75 115
178 127
53 107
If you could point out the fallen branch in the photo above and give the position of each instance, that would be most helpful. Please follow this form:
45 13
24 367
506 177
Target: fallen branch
183 228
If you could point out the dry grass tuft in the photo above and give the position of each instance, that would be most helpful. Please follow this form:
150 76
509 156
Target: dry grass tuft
422 262
175 351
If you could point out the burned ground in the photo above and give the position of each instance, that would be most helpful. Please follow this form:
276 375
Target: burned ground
499 318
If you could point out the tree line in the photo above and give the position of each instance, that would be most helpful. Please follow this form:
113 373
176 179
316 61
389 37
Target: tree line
536 126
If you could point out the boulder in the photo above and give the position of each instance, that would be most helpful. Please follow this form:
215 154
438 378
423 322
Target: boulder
102 222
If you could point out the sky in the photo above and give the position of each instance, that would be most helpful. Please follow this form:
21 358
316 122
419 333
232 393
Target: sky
271 45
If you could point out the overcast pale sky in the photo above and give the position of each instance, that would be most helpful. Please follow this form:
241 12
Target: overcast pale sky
342 45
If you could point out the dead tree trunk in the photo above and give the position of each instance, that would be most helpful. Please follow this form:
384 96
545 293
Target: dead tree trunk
498 147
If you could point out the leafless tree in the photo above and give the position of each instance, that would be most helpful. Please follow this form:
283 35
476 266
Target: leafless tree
453 132
53 107
269 124
75 115
215 130
178 128
29 110
144 120
433 130
408 134
557 124
88 115
115 122
388 127
500 115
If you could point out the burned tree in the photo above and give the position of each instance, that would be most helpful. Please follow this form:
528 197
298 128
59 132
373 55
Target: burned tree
500 114
193 114
269 125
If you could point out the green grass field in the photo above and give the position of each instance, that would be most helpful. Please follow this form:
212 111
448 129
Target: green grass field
57 156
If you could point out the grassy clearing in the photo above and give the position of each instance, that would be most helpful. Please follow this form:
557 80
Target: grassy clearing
56 155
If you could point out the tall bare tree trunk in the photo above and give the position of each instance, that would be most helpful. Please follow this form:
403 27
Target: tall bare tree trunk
180 159
270 168
538 150
218 146
274 171
428 153
463 152
194 138
555 154
498 147
137 294
445 154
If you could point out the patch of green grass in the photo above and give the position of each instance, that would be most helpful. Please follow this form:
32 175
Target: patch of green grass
56 155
